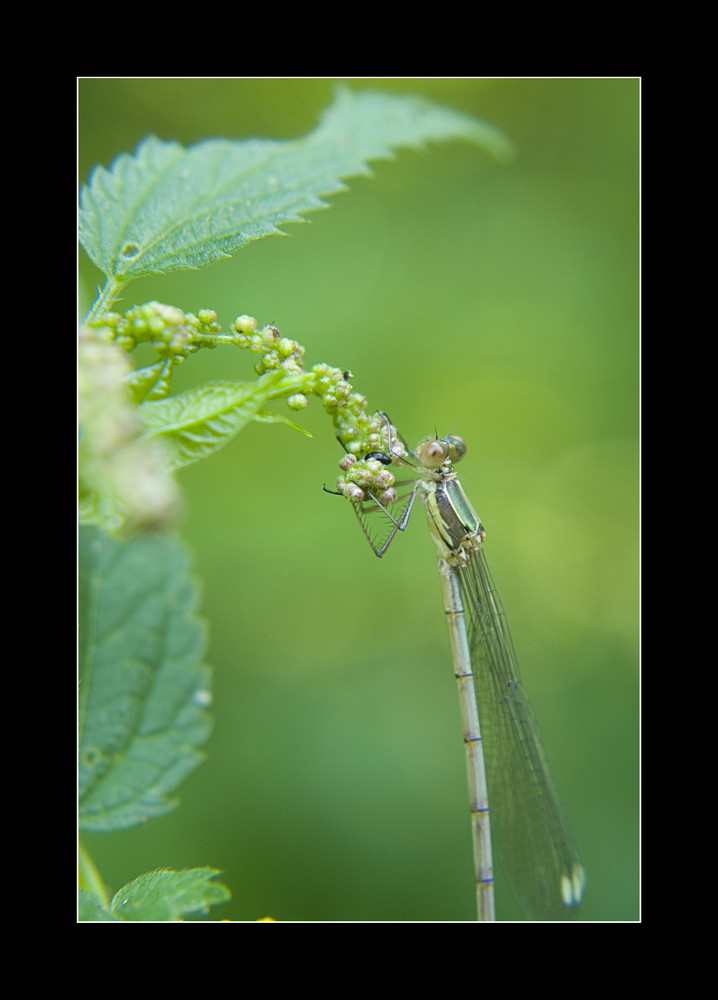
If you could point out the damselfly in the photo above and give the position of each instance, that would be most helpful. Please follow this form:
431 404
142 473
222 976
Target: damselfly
507 765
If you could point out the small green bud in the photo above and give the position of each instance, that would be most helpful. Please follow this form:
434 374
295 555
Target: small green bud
383 477
286 347
351 491
179 341
357 401
270 335
387 497
171 314
297 401
343 390
244 324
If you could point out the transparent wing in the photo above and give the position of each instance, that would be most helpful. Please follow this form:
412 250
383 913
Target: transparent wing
380 524
530 831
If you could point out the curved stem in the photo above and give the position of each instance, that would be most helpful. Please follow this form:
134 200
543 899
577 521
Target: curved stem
89 878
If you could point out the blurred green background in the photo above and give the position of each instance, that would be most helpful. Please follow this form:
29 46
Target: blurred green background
498 302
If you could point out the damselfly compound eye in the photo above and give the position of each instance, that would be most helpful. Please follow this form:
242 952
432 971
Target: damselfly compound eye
457 448
432 454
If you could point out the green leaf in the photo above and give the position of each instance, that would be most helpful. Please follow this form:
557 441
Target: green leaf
169 207
265 417
89 907
197 423
169 895
143 687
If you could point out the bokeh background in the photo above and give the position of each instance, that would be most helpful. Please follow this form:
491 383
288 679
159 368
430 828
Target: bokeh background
498 302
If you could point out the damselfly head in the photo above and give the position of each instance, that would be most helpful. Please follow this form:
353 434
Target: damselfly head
434 453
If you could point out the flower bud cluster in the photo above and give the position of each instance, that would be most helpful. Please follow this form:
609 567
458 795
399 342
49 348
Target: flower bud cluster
173 333
346 407
275 350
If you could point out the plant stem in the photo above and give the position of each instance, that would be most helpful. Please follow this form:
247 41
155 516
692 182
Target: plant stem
105 297
89 877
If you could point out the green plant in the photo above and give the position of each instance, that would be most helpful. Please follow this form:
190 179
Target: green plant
144 691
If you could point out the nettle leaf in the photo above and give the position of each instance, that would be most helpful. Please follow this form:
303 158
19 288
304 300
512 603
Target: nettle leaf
168 207
197 423
89 907
143 687
169 895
